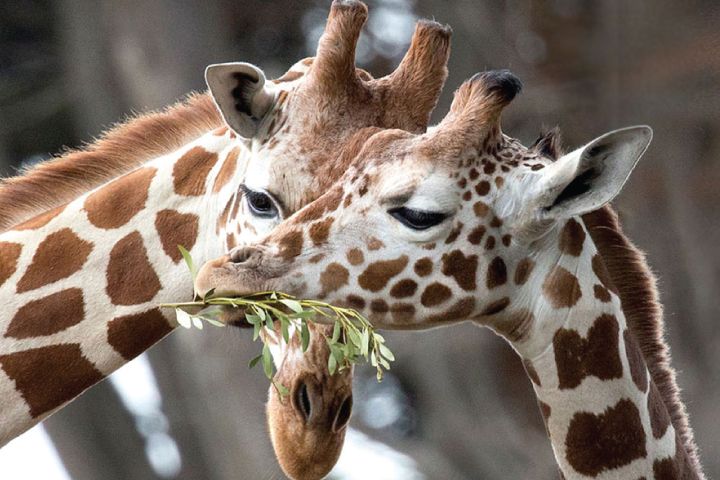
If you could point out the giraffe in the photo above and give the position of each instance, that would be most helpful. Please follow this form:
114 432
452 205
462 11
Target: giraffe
88 242
465 223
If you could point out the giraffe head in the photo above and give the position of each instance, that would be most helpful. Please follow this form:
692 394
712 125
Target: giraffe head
307 427
293 126
291 129
442 226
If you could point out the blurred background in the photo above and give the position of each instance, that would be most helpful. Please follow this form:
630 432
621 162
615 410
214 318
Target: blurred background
457 404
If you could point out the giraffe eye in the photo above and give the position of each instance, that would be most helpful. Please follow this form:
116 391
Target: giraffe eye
261 204
416 219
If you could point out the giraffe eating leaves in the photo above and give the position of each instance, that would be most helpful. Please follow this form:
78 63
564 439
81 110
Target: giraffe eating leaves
465 223
88 241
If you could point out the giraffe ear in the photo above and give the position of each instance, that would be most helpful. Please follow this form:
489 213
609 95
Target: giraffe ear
241 94
591 176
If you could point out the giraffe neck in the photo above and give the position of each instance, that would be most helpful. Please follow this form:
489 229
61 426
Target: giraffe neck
80 284
602 409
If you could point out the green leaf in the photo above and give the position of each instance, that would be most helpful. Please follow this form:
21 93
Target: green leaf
332 364
188 261
260 312
208 294
285 328
373 360
378 338
197 323
256 331
354 337
304 314
293 305
267 361
384 363
281 389
254 361
216 323
336 332
252 319
304 336
365 343
385 351
183 318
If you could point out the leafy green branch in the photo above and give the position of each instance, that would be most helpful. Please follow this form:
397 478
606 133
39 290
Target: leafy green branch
353 339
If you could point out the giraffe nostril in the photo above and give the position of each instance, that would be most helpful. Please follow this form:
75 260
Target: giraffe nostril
241 254
302 401
343 415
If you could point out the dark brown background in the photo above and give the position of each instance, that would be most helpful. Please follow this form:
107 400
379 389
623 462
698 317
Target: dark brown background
69 68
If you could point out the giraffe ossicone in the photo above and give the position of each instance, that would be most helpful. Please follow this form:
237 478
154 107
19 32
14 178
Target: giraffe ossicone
88 240
463 222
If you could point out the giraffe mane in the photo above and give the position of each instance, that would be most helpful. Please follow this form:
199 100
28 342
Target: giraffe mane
637 287
119 150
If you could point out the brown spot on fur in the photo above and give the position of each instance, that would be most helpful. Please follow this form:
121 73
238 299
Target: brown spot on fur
423 267
191 170
598 355
666 469
601 293
40 220
291 244
404 288
220 131
638 372
348 200
561 288
223 218
496 222
489 168
379 273
379 306
48 377
496 307
435 294
499 182
131 335
490 243
334 277
659 418
461 310
355 256
319 231
131 279
117 203
58 256
227 170
545 411
467 196
317 258
481 210
496 273
462 268
402 312
48 315
476 235
454 233
353 301
375 244
532 373
329 202
175 228
598 266
606 441
482 188
572 237
523 270
474 173
9 254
